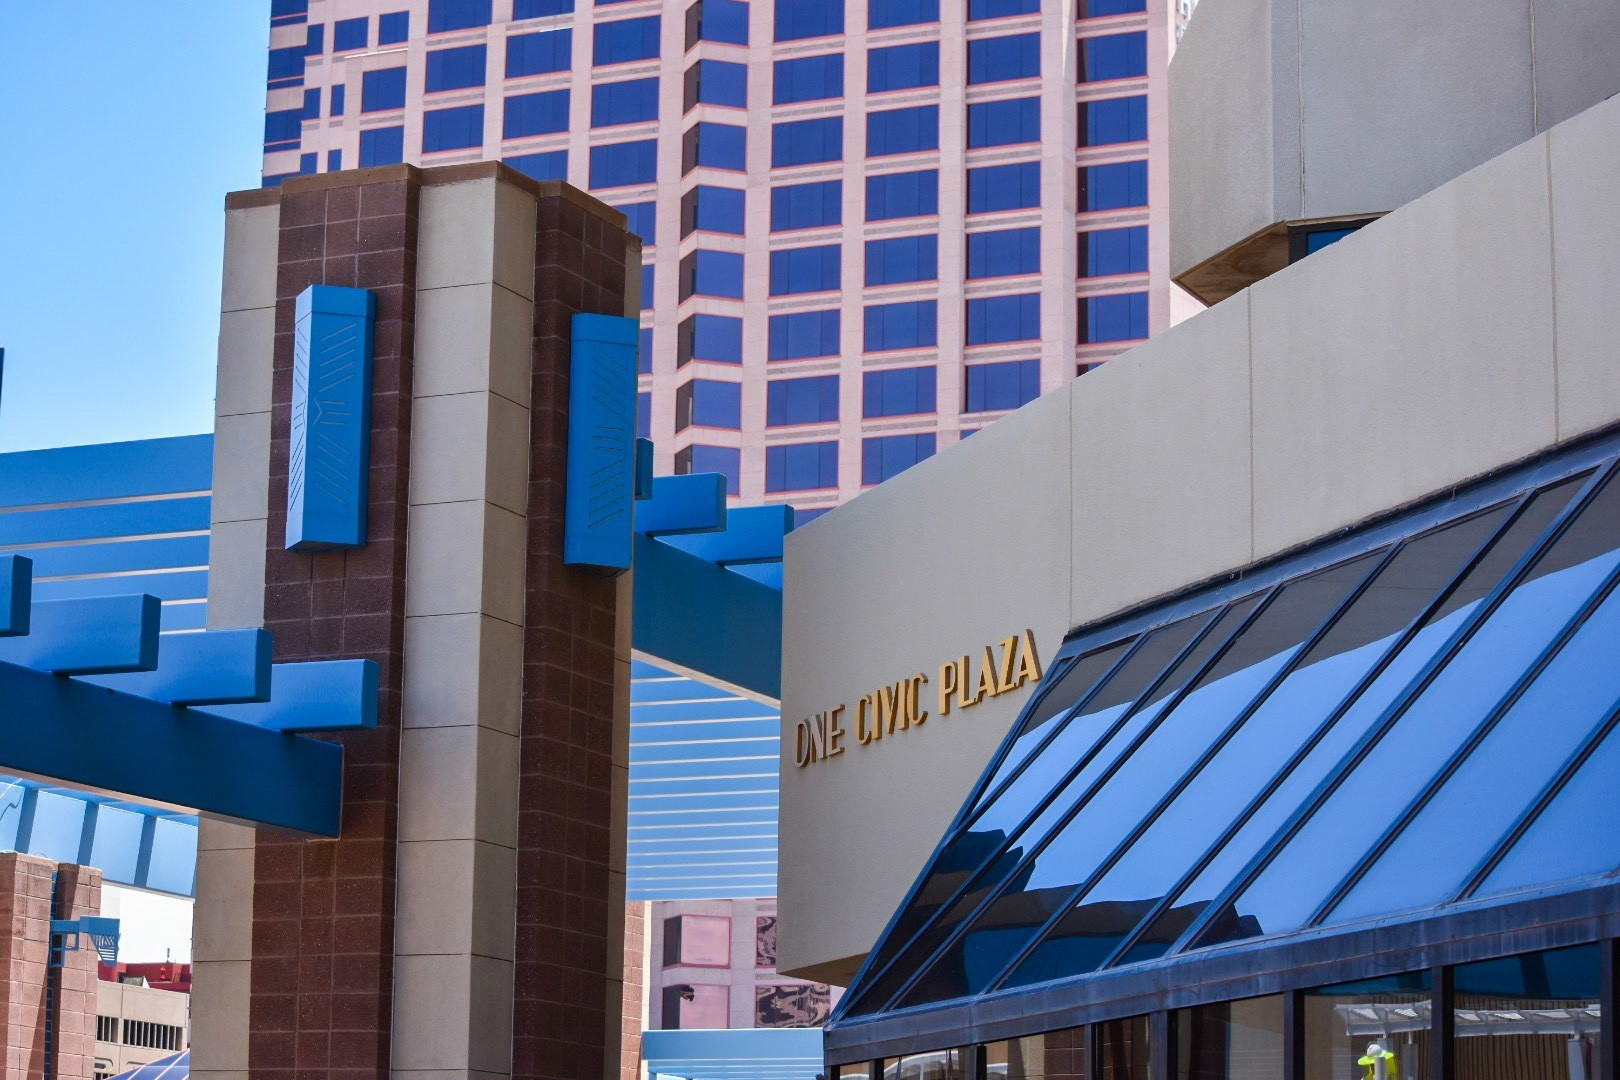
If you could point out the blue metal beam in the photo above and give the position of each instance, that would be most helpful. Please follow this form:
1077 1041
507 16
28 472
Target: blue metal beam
220 667
92 636
683 504
752 534
88 736
322 695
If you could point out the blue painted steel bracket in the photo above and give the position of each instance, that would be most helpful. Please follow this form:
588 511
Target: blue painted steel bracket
92 636
644 468
219 667
16 591
330 436
322 695
753 534
683 504
703 617
601 442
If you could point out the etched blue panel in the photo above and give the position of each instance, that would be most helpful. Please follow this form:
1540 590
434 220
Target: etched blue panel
331 418
601 441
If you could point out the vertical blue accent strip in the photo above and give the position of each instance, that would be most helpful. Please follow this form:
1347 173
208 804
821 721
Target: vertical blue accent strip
16 592
644 468
331 418
601 441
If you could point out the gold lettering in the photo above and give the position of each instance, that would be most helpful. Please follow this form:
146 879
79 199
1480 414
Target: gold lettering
888 709
914 687
801 739
1029 664
964 696
862 734
947 684
1009 648
987 678
818 738
835 734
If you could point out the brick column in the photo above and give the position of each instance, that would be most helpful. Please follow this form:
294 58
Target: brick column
566 910
25 923
323 911
78 892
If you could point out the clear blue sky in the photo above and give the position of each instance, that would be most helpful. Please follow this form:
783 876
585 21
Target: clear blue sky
122 126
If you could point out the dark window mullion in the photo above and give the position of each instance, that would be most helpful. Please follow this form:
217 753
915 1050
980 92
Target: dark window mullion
1480 733
1395 710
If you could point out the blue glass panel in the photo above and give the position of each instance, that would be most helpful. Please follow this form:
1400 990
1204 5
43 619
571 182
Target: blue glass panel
393 27
1113 120
992 319
286 66
550 165
804 515
1003 252
382 146
798 19
334 160
807 78
725 460
307 163
1004 123
801 335
715 338
339 99
283 127
644 415
453 129
898 392
457 14
539 9
902 131
535 114
382 90
713 209
801 270
351 34
712 404
720 82
456 69
907 325
901 259
998 59
812 400
1317 239
902 67
807 142
882 14
1123 317
648 278
723 21
315 40
807 206
619 164
902 195
1004 187
1096 9
1000 9
712 273
1114 251
715 146
993 387
801 466
1113 187
1113 56
644 352
640 218
629 102
312 104
625 40
539 54
886 456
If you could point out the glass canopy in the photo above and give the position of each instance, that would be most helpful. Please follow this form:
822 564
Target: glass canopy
1426 717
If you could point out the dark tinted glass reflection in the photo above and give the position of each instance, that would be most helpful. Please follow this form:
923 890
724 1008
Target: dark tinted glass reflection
1124 1049
1231 1040
1407 756
1386 1019
1531 1017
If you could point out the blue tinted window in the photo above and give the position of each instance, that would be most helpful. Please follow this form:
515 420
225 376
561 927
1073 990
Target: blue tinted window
807 78
806 515
640 218
1113 318
998 59
712 209
1113 56
1113 251
718 20
456 69
902 258
312 104
902 195
340 97
382 146
1317 239
1000 9
1094 9
812 400
711 273
307 163
315 40
715 338
1113 187
644 351
625 40
991 319
801 466
453 129
538 54
291 11
1004 123
801 270
644 415
535 114
382 90
881 14
908 325
1003 252
1113 120
803 334
393 27
286 66
797 19
283 127
624 102
1004 187
551 165
618 164
885 456
351 34
806 142
994 387
708 403
648 279
714 146
806 206
334 160
724 460
902 131
457 14
901 67
538 9
898 392
717 82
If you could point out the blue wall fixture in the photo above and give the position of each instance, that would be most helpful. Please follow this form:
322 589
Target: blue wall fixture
16 580
331 418
601 441
683 504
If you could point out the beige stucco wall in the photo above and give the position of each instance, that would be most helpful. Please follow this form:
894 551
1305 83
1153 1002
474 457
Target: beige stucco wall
1468 330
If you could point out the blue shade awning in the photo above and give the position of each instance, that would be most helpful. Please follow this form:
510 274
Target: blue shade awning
1415 718
734 1054
173 1067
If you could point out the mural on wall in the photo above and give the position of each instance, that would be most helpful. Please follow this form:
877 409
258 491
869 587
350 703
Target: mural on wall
765 941
791 1004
